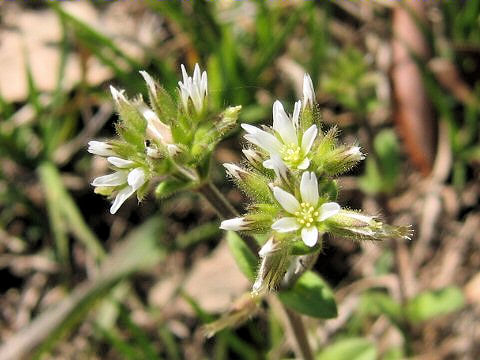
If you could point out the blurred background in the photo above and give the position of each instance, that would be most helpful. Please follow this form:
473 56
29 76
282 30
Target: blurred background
399 78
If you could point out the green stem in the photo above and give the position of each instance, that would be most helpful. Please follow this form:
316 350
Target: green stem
225 210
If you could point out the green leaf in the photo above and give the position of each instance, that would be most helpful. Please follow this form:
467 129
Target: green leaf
245 259
311 296
434 303
349 349
377 303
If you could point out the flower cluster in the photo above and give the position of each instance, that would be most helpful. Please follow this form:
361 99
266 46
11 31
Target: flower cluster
289 176
166 139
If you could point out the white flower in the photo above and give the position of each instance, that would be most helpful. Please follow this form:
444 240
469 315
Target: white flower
289 144
119 162
127 181
100 148
194 88
235 224
308 92
308 214
276 164
157 130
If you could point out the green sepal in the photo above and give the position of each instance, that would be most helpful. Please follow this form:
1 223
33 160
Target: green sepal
329 188
163 105
299 247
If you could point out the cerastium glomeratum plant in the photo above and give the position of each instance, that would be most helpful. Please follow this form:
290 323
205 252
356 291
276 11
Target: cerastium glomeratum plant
288 175
166 140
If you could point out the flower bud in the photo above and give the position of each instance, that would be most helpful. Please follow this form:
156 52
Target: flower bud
235 224
308 92
252 183
254 158
235 171
340 159
228 119
274 264
355 225
100 148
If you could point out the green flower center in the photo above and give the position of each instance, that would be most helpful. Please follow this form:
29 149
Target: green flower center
307 214
292 154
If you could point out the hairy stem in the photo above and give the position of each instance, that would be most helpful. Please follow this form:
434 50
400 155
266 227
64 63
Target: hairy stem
225 210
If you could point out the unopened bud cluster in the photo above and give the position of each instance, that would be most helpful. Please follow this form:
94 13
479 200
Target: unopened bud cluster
165 138
289 176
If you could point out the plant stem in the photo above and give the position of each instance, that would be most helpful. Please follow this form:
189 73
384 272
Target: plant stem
298 329
225 210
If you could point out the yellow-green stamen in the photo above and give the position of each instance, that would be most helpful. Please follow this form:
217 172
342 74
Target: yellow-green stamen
307 214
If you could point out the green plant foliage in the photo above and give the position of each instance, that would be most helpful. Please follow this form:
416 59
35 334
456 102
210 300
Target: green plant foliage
247 262
382 175
311 296
349 349
430 304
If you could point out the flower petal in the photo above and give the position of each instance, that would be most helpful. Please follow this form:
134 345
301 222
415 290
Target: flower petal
308 138
136 178
309 188
286 224
286 200
283 125
266 248
308 92
122 195
328 210
150 83
262 139
310 236
119 162
276 164
296 113
304 164
100 148
235 224
116 179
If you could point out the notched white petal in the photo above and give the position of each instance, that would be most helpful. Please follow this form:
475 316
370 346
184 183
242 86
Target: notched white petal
308 138
121 197
119 162
309 188
310 236
286 200
286 224
283 125
116 179
136 178
328 210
